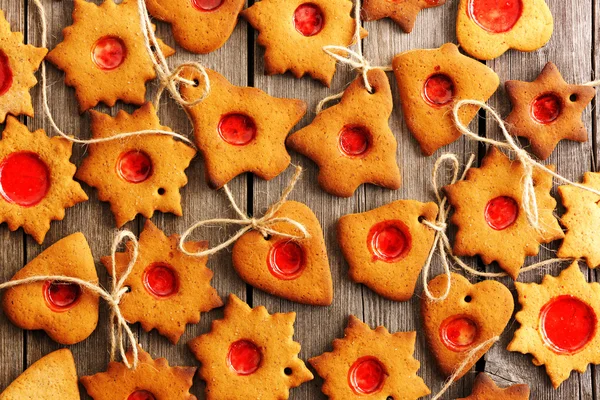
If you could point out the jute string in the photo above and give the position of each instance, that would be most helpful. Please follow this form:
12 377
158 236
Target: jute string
119 329
247 223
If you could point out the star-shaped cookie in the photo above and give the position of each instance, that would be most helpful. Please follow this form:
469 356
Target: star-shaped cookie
548 110
139 174
559 323
36 179
352 142
240 129
490 217
18 62
103 54
485 388
402 12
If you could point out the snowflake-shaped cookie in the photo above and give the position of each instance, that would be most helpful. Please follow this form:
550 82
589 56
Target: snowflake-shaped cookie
103 54
559 323
485 388
490 217
402 12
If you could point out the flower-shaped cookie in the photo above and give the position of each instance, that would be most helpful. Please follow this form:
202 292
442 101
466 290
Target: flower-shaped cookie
403 12
18 62
371 363
490 217
103 54
548 110
168 289
294 33
152 379
240 129
200 26
250 354
352 142
139 174
486 29
559 323
485 388
36 179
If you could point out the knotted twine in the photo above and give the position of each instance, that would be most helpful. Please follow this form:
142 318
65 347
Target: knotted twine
247 223
118 323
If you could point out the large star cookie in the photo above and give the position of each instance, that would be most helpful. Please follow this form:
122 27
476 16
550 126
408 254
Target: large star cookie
485 388
548 110
103 54
403 12
352 142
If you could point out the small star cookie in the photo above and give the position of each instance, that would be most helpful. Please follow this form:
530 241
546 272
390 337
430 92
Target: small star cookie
352 142
139 174
371 362
168 289
103 54
152 379
403 12
36 179
250 354
490 217
240 129
548 110
18 62
485 388
559 323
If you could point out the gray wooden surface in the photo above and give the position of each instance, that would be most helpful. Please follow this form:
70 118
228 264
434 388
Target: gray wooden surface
573 48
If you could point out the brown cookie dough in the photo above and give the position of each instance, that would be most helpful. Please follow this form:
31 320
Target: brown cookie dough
485 388
402 12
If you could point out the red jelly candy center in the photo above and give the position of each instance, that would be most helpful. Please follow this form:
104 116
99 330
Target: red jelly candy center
354 141
495 16
501 212
134 166
367 375
458 333
438 90
567 324
237 129
109 53
389 241
161 281
207 5
61 296
546 108
141 395
244 357
6 75
24 179
308 19
286 260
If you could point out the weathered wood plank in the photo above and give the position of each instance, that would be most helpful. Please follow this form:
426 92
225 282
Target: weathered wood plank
596 155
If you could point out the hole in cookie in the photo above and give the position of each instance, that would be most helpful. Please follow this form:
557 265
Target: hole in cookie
422 218
127 289
546 108
389 241
458 332
153 48
134 166
438 90
495 16
573 97
468 299
24 179
367 375
244 357
501 212
389 398
207 5
308 19
237 129
161 191
286 260
160 280
109 53
354 141
196 82
288 371
6 75
61 296
141 395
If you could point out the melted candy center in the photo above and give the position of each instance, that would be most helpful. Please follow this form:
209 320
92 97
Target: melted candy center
367 375
354 141
286 260
438 90
24 179
6 75
61 296
389 241
134 166
495 16
501 212
207 5
141 395
237 129
161 281
109 53
308 19
546 108
244 357
458 333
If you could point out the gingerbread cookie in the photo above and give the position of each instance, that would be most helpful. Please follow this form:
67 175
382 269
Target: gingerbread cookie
490 217
240 129
548 110
152 379
373 363
18 62
352 142
36 179
296 270
168 289
51 376
486 29
294 33
103 54
200 26
250 354
430 82
559 323
485 388
387 247
65 311
402 12
136 175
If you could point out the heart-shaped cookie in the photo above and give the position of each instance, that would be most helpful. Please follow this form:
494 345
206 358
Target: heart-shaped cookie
469 316
296 270
65 311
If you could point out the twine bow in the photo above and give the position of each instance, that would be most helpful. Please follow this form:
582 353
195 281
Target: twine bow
247 223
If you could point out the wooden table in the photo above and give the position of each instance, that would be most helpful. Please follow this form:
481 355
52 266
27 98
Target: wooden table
574 48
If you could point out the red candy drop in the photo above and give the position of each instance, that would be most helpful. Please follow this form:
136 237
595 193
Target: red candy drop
134 166
389 241
501 212
141 395
458 333
6 75
244 357
161 281
109 53
546 108
495 16
366 376
286 260
207 5
308 19
61 296
567 324
24 179
438 90
237 129
354 141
